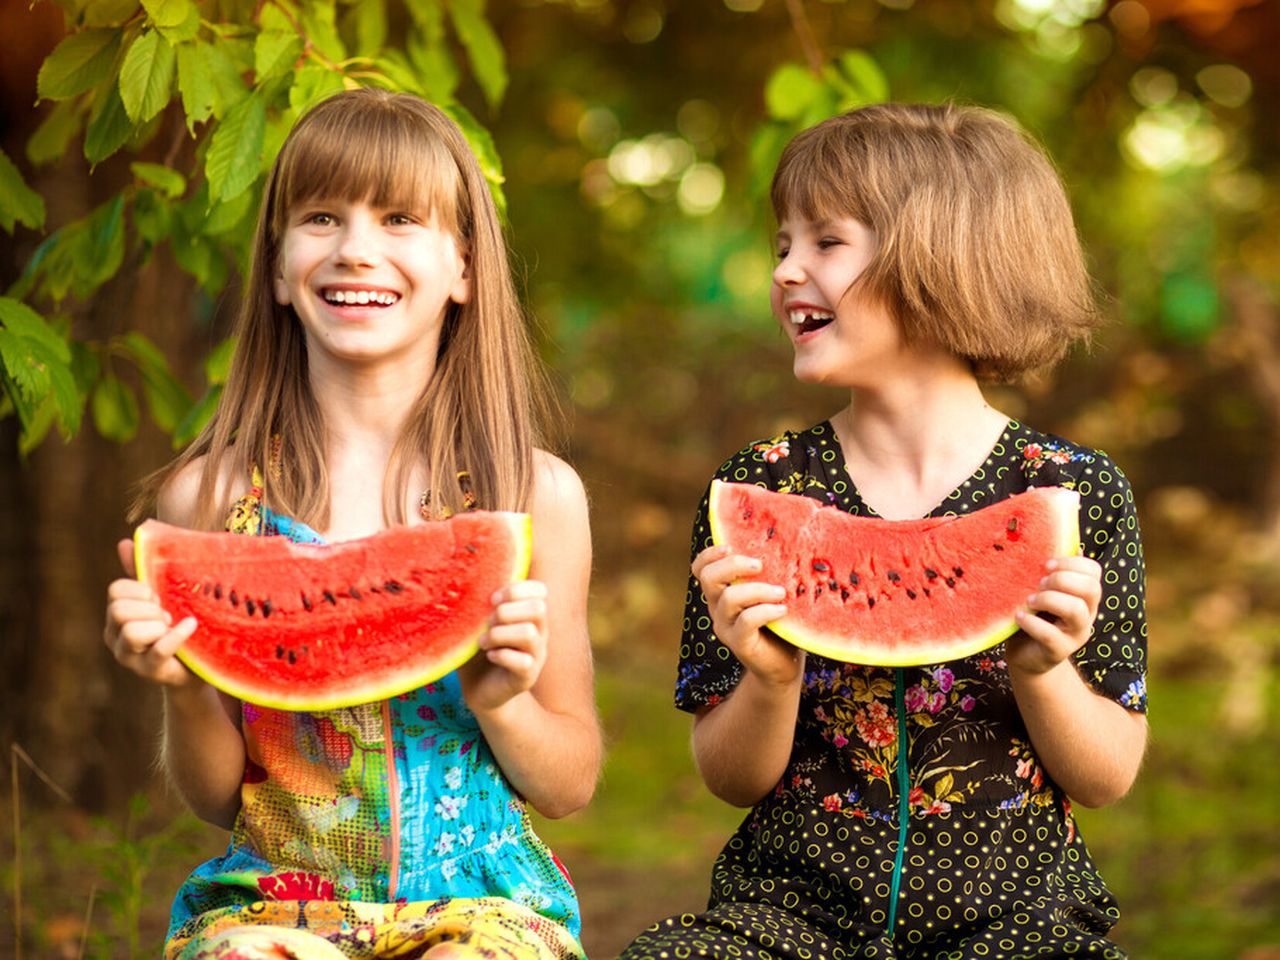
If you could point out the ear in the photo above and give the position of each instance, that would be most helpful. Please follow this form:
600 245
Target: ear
460 291
280 288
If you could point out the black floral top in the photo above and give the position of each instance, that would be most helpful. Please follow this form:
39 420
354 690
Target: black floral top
966 744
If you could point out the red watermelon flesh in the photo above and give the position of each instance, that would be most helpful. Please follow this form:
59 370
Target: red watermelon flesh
309 627
897 593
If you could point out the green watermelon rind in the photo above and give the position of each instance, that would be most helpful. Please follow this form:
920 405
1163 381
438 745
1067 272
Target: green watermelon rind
1064 510
521 527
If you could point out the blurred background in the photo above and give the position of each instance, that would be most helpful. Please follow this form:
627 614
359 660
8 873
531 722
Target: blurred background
636 137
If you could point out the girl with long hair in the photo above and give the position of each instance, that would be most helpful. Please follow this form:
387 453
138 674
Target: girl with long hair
383 375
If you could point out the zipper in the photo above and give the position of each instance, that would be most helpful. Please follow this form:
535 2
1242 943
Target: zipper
904 795
393 791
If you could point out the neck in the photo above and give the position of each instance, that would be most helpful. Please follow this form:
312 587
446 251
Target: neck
366 405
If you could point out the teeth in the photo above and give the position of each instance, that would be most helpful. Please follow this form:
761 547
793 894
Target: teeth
800 316
361 297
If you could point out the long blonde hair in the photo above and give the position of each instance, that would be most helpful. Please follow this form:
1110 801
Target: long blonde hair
977 248
484 407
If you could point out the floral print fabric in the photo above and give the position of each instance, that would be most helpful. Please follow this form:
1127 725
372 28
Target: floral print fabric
988 861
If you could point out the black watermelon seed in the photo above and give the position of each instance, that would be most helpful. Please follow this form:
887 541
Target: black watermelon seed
279 652
206 589
844 593
853 577
305 601
392 587
293 657
747 513
911 593
472 548
998 547
800 590
951 582
330 597
770 533
871 602
893 576
374 590
217 591
957 571
1013 524
353 593
926 591
832 586
931 574
235 601
817 591
820 566
249 606
266 608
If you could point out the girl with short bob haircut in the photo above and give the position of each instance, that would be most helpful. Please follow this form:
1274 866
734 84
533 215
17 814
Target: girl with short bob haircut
383 375
917 811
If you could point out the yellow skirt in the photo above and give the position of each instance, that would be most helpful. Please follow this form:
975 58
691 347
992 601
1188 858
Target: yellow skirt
484 928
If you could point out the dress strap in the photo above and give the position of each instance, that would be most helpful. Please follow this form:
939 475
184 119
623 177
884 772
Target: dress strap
469 501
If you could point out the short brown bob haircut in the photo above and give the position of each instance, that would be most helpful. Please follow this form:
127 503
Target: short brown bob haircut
977 247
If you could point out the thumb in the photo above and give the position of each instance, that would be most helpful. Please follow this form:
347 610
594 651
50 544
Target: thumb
125 549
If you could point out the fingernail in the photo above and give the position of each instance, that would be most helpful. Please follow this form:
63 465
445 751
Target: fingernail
188 623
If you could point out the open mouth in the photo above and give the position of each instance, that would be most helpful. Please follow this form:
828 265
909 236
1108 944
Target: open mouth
808 319
359 298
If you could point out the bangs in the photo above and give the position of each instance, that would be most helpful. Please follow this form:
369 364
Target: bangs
378 152
815 181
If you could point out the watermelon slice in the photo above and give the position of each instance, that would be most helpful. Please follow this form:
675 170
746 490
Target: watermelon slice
307 627
897 593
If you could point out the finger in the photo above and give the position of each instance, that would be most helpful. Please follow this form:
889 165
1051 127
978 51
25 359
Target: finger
523 636
516 611
1077 564
1067 608
168 645
729 569
521 664
1049 636
124 549
740 596
138 636
521 590
1074 583
125 611
710 554
124 589
761 615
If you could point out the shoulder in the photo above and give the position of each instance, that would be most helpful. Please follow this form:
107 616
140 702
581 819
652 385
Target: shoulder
558 492
178 500
790 461
1047 459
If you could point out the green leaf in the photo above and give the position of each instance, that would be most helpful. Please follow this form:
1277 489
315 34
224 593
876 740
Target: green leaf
320 24
53 137
79 63
152 217
399 74
20 320
235 152
228 61
38 427
66 396
436 70
369 20
168 181
226 216
486 152
108 13
187 29
18 202
789 91
275 52
866 76
168 13
85 367
146 78
195 83
483 48
313 83
197 417
109 126
26 381
115 410
101 250
167 399
218 364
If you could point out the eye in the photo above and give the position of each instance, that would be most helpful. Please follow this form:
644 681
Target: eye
782 252
319 218
826 243
401 219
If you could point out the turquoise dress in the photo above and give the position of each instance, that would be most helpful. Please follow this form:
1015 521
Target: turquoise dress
381 814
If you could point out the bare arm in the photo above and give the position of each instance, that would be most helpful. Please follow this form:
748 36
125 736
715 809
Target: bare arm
531 686
1090 745
203 750
743 744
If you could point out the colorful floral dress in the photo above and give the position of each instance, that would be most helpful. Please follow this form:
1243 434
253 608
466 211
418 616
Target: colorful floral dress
966 849
373 831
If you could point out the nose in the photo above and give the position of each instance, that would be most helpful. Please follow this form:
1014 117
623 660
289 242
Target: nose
357 244
788 272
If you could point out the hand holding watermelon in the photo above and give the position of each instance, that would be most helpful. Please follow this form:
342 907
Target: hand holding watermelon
514 648
1070 593
139 633
741 607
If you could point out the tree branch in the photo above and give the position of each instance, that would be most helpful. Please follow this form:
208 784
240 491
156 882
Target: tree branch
804 30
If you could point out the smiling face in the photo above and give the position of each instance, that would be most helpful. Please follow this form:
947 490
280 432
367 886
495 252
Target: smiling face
369 283
840 337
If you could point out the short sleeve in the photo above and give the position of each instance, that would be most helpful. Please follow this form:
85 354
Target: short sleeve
708 670
1114 659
